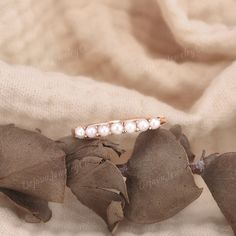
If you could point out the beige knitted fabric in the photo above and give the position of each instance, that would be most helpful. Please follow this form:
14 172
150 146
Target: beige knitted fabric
64 63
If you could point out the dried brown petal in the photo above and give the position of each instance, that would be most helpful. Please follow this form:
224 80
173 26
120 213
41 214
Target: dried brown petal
159 181
36 209
219 173
115 214
79 148
31 164
177 131
97 183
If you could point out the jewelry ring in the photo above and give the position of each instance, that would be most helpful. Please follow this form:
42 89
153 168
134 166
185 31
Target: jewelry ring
118 127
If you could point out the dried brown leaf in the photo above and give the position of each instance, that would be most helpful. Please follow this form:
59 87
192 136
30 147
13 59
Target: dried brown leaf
97 183
159 182
36 209
177 131
219 173
78 149
31 164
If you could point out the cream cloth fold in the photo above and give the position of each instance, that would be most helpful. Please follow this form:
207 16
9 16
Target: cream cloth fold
65 63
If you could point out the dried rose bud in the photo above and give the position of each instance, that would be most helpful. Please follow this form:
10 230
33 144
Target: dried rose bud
98 184
94 179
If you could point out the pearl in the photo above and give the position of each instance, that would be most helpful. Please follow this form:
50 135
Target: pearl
91 131
143 125
130 127
117 128
79 132
103 130
154 123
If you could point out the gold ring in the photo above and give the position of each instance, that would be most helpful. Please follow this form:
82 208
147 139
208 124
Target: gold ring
118 127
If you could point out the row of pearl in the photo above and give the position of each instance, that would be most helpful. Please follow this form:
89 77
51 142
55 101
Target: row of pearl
117 127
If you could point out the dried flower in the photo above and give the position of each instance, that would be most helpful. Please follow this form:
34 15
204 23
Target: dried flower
94 179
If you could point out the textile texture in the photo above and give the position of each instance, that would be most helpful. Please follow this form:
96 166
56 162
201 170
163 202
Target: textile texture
65 63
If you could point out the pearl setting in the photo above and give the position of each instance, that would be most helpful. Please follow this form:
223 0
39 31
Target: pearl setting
91 131
79 132
130 126
154 123
103 130
118 127
143 125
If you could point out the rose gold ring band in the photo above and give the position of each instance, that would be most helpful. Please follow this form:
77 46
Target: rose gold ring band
118 127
